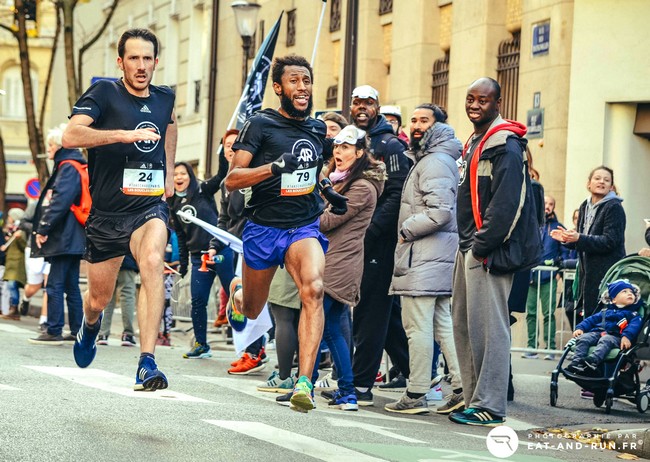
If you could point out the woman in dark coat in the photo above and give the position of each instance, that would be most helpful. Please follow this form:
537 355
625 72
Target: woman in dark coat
599 238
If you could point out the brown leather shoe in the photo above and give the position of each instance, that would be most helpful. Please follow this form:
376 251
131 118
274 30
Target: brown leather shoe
13 314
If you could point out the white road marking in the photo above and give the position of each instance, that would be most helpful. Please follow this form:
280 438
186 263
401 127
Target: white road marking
15 329
7 388
296 442
371 428
521 443
113 383
249 387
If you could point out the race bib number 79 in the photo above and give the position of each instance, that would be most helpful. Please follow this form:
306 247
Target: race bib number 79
299 182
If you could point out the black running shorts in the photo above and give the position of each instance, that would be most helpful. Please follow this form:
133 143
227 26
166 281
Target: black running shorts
108 235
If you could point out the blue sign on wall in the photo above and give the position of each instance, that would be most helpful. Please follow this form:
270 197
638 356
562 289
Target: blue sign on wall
95 79
541 38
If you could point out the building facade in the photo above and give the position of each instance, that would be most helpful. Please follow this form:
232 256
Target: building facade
573 70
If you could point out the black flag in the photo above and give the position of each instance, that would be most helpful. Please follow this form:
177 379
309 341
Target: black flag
253 93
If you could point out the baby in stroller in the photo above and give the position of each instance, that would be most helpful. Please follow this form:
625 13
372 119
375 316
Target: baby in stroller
616 326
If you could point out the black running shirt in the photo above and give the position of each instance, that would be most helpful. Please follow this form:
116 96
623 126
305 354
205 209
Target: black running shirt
288 200
126 177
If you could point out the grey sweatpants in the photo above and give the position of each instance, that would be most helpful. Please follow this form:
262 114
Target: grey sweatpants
482 333
427 319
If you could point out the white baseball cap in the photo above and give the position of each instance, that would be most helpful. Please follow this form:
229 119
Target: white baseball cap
349 135
365 91
391 110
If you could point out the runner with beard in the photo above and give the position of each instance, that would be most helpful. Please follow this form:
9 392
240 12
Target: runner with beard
279 153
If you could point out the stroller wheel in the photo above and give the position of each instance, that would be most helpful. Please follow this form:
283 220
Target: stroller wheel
642 402
609 401
553 395
599 398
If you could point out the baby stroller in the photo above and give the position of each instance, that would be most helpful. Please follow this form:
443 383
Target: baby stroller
618 375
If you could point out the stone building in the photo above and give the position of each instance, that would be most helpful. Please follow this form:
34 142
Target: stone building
575 71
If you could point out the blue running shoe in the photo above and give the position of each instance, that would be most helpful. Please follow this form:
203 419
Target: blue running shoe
84 348
148 377
302 398
236 318
345 402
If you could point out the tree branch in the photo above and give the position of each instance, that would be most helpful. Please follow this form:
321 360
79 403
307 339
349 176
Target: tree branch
7 28
92 41
50 69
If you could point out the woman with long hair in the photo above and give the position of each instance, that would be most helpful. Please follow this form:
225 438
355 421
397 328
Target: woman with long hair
360 178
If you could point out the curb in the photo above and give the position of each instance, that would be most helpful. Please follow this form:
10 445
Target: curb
632 441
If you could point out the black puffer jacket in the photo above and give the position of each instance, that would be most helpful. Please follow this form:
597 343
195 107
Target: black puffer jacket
199 202
53 217
389 149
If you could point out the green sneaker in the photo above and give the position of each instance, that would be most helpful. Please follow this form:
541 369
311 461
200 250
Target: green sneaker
198 352
302 399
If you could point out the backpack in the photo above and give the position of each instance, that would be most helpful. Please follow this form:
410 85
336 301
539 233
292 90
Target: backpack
82 210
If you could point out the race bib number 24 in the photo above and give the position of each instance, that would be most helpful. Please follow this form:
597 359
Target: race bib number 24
143 179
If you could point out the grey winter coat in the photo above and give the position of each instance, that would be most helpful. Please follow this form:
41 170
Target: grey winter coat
424 256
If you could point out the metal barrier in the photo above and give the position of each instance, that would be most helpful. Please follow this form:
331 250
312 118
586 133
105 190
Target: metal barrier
563 327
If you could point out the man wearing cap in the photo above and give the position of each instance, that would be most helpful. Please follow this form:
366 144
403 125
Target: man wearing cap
393 115
377 321
279 154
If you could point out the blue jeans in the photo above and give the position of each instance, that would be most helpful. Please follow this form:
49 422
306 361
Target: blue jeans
339 348
14 292
64 279
201 284
604 344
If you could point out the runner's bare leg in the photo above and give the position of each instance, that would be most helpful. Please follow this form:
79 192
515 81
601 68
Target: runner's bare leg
102 277
148 248
305 263
255 289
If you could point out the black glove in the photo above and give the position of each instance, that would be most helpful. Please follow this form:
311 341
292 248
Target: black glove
339 203
182 270
287 163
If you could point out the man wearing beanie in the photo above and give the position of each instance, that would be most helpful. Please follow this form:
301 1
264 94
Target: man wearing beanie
616 326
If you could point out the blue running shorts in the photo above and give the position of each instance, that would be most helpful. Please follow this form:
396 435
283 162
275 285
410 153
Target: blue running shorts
265 247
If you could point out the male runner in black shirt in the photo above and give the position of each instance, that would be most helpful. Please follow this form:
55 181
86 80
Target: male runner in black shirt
128 128
280 155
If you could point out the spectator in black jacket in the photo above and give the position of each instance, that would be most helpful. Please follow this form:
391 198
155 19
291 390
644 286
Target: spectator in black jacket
197 199
59 237
599 238
377 321
498 236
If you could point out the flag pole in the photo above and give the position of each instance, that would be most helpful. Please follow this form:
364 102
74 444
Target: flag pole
320 26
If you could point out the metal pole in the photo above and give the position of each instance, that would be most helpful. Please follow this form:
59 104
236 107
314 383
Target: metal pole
350 61
320 26
247 42
212 91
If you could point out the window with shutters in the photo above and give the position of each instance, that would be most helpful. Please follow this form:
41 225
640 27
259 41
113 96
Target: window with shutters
385 6
291 28
508 75
440 86
335 15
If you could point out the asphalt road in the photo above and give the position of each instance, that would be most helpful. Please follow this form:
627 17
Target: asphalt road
50 410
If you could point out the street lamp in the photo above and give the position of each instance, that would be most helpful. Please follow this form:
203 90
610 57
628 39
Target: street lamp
246 18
